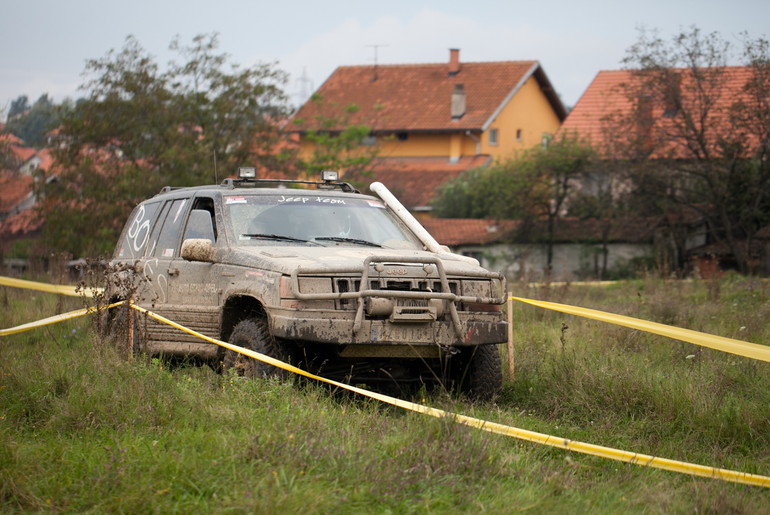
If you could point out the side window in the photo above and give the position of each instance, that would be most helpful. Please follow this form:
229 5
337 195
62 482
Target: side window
133 241
202 221
153 244
168 238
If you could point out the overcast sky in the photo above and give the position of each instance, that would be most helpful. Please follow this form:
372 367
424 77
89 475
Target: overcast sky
45 43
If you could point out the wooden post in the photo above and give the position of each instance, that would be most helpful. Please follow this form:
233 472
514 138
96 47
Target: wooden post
130 331
510 335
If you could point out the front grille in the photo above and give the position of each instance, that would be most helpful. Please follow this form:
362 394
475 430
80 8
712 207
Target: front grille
350 284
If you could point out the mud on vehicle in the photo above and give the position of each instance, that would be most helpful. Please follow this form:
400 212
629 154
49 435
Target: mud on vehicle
342 284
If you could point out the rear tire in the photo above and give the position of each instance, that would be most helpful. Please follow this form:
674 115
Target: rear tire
253 334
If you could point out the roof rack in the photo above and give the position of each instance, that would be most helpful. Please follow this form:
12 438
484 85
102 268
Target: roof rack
321 185
166 189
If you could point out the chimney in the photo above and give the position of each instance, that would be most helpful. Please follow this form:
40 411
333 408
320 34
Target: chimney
458 102
454 61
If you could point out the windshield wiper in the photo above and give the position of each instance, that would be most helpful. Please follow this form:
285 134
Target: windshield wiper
279 237
349 240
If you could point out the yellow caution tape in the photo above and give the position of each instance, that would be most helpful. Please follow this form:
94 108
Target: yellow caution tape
572 283
741 348
61 289
56 319
501 429
716 342
738 347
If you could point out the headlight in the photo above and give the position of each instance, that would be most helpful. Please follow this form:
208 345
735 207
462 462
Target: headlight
477 289
306 285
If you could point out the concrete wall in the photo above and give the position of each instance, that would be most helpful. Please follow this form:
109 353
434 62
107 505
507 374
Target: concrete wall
571 261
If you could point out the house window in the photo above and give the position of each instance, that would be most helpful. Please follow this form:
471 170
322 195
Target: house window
402 136
518 135
369 141
493 137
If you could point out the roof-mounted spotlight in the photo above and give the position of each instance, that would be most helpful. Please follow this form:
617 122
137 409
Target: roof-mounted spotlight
247 172
330 175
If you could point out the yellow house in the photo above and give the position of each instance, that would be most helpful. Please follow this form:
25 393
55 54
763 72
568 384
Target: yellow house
430 122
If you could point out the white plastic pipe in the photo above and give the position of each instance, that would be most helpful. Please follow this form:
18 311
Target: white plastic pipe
406 217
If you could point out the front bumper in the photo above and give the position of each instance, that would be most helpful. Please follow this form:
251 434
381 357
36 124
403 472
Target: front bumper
340 328
428 319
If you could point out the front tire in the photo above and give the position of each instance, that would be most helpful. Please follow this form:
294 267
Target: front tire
479 374
253 335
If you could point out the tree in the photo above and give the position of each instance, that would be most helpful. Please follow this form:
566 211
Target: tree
706 127
32 123
19 106
533 187
140 128
343 149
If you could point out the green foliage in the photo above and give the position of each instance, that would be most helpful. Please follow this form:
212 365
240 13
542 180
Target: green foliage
32 123
532 186
140 128
334 149
474 194
82 430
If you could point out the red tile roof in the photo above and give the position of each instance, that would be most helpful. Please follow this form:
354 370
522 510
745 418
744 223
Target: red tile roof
417 97
591 230
603 97
458 231
14 188
46 159
7 137
22 154
416 180
607 98
462 231
20 224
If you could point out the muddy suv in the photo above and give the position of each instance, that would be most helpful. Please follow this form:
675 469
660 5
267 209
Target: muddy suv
346 285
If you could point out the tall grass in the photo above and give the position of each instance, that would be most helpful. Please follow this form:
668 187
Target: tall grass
84 430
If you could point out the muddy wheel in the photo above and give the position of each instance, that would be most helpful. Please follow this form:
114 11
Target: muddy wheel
479 374
253 335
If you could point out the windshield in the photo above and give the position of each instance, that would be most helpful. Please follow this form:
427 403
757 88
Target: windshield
311 219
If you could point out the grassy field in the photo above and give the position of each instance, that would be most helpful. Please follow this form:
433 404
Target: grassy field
82 430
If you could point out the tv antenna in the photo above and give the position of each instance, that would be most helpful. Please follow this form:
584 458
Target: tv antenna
376 48
305 85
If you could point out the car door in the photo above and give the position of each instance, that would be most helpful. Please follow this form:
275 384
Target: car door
186 292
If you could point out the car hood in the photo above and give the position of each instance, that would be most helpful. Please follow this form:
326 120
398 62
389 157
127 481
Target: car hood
286 259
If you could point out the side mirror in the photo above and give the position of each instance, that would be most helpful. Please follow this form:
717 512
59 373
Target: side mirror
198 249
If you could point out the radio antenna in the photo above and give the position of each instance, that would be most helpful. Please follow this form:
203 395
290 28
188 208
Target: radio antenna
216 176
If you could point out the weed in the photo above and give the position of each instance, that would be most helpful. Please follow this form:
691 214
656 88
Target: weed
84 430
